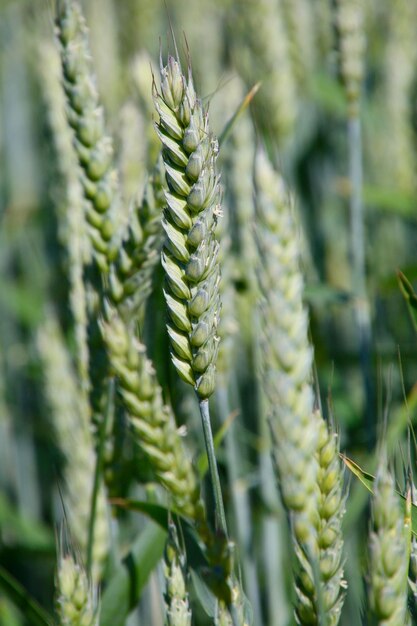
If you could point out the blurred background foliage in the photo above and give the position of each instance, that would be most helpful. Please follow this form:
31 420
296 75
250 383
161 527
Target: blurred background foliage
300 114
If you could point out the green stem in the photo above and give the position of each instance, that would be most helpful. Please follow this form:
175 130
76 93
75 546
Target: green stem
214 473
241 505
361 305
98 471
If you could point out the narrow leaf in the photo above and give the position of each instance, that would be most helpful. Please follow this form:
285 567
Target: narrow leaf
35 614
409 296
241 108
156 512
368 481
124 590
24 532
204 594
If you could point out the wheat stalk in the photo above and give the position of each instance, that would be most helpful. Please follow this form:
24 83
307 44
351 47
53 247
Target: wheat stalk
155 431
331 510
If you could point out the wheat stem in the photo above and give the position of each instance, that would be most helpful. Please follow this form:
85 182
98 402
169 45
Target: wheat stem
214 473
357 236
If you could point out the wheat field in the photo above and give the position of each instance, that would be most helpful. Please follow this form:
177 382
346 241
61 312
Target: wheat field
208 313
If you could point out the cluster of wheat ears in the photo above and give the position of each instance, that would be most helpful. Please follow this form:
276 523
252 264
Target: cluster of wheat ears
146 497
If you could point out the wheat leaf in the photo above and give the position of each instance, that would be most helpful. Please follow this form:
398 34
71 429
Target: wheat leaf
410 297
131 575
20 597
368 481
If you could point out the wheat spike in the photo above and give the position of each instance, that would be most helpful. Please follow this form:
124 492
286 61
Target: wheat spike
71 221
190 252
152 421
306 461
85 115
178 611
76 599
388 554
130 276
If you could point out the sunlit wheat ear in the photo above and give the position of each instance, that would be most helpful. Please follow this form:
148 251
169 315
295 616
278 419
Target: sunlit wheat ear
85 115
151 420
130 276
73 433
76 599
190 252
388 565
178 611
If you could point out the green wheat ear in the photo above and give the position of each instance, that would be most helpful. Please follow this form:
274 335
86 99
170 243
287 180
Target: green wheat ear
85 115
388 553
76 599
190 252
178 611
